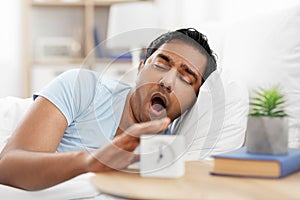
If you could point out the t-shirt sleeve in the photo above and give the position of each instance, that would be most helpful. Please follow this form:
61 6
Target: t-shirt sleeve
71 92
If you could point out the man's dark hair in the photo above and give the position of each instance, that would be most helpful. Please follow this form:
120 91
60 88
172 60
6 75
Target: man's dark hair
190 36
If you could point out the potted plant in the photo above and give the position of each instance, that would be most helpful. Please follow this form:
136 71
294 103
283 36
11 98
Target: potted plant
267 131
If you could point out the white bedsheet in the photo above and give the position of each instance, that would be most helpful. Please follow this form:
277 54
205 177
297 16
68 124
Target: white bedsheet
77 188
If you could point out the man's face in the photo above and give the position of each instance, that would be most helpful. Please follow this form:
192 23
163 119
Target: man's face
168 82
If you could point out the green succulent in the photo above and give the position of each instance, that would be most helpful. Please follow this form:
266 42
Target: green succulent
268 102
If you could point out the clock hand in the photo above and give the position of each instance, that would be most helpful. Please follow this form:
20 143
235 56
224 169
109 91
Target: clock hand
160 154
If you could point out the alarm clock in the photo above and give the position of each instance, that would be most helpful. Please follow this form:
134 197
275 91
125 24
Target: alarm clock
161 156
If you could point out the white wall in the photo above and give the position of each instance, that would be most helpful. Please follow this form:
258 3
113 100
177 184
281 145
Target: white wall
10 48
207 15
197 12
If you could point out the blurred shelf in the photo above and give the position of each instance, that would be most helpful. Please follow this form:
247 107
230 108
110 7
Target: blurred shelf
111 2
79 2
77 61
65 18
57 3
112 60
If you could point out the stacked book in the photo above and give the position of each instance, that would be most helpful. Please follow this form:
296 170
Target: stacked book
242 163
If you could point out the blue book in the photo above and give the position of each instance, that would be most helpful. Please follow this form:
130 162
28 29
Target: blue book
97 43
242 163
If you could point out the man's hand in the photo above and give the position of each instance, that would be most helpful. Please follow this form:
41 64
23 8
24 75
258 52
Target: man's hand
119 154
29 161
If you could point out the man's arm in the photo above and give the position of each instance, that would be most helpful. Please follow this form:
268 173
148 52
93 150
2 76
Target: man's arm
36 170
29 160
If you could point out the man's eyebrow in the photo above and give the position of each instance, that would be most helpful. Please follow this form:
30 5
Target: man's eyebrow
165 57
190 71
184 66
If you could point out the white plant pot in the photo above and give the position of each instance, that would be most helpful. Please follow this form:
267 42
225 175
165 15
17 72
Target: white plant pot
267 135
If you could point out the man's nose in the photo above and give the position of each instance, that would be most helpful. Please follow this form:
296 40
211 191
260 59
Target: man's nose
168 80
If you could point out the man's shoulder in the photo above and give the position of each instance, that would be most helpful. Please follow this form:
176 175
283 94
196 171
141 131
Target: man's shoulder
112 84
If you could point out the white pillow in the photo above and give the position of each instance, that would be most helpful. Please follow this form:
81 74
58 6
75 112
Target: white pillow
12 110
217 121
265 51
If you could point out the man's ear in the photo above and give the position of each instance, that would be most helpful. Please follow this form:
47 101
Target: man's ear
141 65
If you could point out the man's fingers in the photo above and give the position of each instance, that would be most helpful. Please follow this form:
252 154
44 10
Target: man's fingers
136 158
151 127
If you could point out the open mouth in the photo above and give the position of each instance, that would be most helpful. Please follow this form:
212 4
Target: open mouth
158 103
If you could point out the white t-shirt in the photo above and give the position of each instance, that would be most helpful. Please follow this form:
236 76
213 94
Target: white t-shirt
92 105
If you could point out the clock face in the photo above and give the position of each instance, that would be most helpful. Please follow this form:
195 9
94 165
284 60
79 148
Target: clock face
164 154
160 156
157 155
